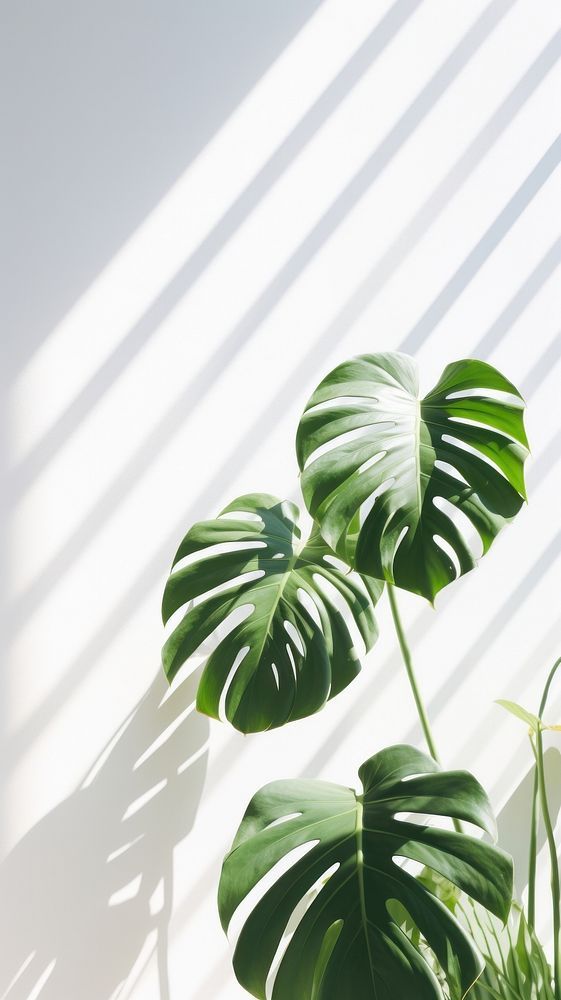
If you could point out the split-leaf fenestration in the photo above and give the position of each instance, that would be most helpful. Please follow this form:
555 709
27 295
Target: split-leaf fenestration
343 852
287 647
397 483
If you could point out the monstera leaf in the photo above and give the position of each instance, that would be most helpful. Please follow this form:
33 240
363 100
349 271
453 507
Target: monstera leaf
341 850
394 481
286 647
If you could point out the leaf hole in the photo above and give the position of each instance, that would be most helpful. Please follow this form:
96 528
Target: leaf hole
295 637
451 471
238 581
259 890
337 442
366 507
337 564
449 551
283 819
482 425
215 550
370 462
469 535
332 596
500 395
296 918
340 401
404 531
412 867
474 452
290 655
309 605
240 656
222 630
241 515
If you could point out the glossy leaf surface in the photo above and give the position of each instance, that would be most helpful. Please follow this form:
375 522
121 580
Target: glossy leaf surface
284 647
310 840
412 490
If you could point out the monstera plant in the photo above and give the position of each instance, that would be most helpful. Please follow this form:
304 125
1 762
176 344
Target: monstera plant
404 492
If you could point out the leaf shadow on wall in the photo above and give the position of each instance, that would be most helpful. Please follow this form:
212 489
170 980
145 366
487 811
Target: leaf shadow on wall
513 821
85 889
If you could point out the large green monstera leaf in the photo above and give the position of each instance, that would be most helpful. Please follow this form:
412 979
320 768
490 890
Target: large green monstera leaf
284 647
401 486
310 840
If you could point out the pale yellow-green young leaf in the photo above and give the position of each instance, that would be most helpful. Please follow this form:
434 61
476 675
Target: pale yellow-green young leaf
521 713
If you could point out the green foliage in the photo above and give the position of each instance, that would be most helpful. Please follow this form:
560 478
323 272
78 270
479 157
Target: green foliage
516 967
531 720
402 490
349 942
264 672
385 473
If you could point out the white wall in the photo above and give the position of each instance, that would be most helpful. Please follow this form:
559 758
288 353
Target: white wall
208 206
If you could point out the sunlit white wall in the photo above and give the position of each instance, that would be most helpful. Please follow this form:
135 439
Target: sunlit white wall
207 211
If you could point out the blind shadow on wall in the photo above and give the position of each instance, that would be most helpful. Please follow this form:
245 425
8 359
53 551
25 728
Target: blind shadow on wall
114 101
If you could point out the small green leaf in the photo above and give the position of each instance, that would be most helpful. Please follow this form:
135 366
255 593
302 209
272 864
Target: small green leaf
531 720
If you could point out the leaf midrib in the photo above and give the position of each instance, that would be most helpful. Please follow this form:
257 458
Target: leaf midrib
362 897
418 456
281 587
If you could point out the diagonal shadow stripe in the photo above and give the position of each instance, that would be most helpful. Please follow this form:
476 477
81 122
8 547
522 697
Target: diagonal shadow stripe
118 100
539 471
551 454
218 237
545 461
488 637
420 627
484 247
344 203
138 801
542 368
204 885
229 753
402 246
520 302
478 738
392 666
155 567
